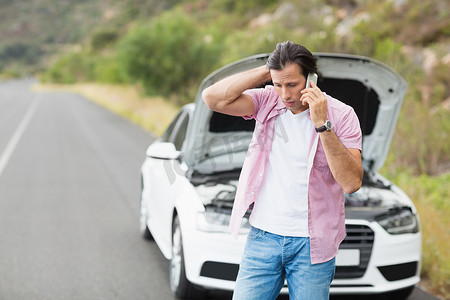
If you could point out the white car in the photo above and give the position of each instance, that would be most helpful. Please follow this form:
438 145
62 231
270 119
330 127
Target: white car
190 175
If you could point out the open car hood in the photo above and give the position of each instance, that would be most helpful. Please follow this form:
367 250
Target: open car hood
218 142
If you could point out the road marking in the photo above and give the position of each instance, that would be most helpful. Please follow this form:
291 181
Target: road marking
14 140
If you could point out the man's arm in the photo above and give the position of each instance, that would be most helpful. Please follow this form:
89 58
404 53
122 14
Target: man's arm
226 96
345 164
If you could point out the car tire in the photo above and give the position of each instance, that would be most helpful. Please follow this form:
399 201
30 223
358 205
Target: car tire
179 284
143 228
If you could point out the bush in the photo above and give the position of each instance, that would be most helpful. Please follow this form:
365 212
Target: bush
107 70
103 38
166 56
70 68
241 8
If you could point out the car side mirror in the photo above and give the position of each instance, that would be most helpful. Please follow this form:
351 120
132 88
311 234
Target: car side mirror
163 151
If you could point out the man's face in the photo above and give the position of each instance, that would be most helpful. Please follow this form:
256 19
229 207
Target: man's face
288 83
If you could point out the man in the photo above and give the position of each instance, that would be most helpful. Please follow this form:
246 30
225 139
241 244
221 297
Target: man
305 151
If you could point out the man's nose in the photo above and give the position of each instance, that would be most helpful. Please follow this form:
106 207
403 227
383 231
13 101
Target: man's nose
285 94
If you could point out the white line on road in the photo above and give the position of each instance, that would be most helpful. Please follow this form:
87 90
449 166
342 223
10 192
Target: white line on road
14 140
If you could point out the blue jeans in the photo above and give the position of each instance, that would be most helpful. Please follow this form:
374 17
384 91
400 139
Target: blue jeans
270 258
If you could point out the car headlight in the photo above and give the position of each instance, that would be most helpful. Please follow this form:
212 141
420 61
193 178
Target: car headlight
211 221
399 221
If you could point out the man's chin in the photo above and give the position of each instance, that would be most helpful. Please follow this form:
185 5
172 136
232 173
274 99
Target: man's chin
293 106
296 109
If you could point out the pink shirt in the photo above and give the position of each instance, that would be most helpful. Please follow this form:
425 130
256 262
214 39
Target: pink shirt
326 214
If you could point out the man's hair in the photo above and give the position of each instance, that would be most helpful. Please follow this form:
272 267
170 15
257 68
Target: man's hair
288 52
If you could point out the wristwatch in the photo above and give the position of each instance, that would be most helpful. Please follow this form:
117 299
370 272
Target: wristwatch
325 127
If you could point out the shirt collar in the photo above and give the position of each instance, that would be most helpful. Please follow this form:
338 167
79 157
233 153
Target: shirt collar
282 108
280 105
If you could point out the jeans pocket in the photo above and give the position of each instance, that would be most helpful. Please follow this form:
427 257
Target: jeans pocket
254 233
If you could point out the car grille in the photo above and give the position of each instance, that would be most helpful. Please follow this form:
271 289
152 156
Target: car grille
359 237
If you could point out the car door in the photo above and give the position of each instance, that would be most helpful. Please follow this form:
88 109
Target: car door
164 185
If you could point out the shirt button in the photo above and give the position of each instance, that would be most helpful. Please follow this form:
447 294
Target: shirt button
261 174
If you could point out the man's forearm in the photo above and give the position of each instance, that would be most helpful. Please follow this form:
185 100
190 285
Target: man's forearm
345 167
229 89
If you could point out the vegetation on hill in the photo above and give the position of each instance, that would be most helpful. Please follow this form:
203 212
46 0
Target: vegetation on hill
34 33
167 47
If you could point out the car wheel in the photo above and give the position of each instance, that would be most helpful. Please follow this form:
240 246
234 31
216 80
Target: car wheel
143 228
179 284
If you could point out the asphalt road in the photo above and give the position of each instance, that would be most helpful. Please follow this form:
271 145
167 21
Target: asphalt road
69 202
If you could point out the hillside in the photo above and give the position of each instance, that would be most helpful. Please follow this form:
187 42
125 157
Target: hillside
34 32
137 43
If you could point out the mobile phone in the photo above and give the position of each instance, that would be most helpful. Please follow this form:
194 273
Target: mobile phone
313 77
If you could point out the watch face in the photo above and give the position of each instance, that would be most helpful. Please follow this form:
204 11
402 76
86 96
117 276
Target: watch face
328 125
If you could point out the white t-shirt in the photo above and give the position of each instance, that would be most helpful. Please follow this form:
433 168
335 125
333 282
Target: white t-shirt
281 206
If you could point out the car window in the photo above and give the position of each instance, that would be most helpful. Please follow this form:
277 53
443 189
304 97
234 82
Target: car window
168 133
180 132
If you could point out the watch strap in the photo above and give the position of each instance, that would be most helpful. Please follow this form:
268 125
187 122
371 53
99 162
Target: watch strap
325 127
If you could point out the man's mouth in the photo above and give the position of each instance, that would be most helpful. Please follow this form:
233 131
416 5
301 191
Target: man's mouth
290 103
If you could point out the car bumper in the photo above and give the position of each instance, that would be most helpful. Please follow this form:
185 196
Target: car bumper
212 259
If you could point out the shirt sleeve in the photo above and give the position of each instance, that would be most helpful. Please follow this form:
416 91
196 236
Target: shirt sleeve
255 96
259 97
349 132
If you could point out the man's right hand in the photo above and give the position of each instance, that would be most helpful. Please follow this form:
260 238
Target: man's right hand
226 96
